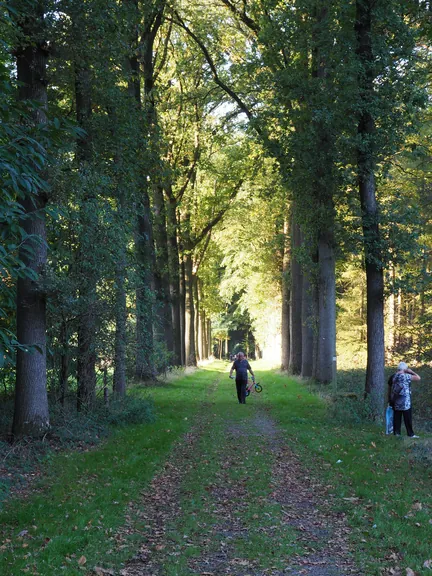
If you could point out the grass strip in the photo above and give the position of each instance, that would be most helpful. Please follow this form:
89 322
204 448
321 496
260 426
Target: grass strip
382 488
226 504
68 523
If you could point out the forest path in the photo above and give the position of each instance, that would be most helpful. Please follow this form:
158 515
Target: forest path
234 499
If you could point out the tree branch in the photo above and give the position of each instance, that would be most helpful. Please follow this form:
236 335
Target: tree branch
203 251
244 108
241 14
216 218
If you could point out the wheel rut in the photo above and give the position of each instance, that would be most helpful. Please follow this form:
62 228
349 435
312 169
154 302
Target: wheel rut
287 527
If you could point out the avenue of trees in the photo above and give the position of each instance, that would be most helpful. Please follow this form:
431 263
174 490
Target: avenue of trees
172 170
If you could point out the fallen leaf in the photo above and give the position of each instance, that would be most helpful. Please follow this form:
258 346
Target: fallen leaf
427 564
410 572
82 560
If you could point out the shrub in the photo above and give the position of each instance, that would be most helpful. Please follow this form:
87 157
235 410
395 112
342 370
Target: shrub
130 410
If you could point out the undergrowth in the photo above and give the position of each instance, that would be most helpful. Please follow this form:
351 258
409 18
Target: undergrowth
68 522
20 460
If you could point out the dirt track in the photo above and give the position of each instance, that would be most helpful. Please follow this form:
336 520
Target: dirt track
318 537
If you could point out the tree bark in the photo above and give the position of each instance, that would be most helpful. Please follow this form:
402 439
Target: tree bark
144 368
308 319
182 299
31 415
174 279
200 312
203 328
286 294
86 364
64 361
296 303
119 379
145 300
326 345
374 386
325 365
190 353
196 315
162 282
209 338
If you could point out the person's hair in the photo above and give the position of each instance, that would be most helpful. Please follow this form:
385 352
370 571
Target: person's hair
402 366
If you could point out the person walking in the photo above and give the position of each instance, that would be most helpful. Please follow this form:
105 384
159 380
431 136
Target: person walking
400 398
241 367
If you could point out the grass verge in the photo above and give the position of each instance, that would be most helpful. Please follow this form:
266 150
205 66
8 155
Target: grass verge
68 523
378 483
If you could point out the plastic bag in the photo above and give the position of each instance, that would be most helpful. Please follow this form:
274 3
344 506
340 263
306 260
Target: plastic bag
389 420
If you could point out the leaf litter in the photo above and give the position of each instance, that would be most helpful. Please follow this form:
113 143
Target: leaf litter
321 536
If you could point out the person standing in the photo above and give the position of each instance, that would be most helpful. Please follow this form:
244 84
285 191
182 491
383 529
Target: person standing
241 367
400 398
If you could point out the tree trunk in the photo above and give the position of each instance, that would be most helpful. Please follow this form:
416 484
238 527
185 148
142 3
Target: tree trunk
200 331
31 402
374 386
145 293
286 293
183 312
390 320
190 354
86 365
296 304
119 381
144 369
174 279
197 313
209 338
307 328
326 345
203 329
162 282
64 361
144 250
325 365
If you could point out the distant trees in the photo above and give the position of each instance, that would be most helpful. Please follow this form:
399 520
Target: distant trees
337 96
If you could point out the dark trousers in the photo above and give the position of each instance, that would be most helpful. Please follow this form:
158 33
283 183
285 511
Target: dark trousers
241 391
397 421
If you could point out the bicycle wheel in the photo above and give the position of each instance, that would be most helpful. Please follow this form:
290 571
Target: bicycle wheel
258 388
247 393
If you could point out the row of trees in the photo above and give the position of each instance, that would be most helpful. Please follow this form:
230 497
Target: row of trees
344 92
127 169
165 161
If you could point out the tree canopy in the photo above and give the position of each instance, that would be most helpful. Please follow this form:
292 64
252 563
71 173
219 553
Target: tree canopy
255 168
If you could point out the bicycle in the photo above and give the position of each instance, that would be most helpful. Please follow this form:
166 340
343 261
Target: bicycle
254 386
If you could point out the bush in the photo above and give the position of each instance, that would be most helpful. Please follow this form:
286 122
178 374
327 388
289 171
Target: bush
348 408
130 410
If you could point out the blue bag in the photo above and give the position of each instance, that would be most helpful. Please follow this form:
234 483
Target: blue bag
389 420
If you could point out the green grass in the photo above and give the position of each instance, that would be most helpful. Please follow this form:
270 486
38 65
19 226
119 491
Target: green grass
379 470
223 461
83 499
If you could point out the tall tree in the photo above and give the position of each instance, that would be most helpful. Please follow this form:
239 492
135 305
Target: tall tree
31 403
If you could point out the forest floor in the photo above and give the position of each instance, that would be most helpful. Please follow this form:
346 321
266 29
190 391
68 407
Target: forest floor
273 487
